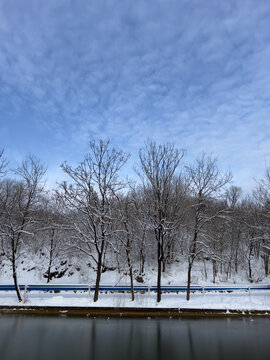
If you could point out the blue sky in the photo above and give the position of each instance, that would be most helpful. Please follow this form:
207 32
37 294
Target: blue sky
193 72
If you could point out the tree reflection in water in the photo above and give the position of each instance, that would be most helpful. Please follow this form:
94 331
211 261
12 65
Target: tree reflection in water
135 339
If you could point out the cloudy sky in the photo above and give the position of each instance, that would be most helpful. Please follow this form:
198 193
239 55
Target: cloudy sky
193 72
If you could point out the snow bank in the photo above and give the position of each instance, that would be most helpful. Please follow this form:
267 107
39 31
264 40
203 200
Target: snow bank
257 300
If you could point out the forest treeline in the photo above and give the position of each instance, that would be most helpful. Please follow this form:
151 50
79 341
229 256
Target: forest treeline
173 212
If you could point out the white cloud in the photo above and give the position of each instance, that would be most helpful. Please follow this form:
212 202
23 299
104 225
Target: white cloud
190 72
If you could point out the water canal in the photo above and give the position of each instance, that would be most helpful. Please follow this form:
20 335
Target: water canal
56 338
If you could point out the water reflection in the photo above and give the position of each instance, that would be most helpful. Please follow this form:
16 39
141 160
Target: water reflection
41 338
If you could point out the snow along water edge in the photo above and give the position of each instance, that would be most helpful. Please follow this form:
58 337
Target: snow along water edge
236 300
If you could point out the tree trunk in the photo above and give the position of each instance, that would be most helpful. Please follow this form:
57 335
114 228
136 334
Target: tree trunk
49 272
189 280
192 250
131 283
50 259
214 271
99 265
130 275
249 271
163 265
142 260
266 264
14 275
221 262
159 273
236 261
249 265
142 253
205 270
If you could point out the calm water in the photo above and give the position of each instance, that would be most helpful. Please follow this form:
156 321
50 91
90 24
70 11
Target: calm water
38 338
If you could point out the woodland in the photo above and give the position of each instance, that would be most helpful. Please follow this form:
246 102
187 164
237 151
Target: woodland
173 212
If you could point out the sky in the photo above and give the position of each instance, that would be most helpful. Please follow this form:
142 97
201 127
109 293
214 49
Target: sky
196 73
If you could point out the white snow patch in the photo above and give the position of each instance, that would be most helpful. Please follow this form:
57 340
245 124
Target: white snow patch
237 300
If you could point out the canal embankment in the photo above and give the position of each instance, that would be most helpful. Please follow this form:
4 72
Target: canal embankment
130 312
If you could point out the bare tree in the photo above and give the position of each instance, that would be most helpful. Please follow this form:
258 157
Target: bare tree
232 196
262 197
3 163
206 182
51 231
140 224
233 227
158 167
19 199
127 234
3 166
89 198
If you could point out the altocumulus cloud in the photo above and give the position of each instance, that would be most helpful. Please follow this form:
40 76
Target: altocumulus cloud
192 72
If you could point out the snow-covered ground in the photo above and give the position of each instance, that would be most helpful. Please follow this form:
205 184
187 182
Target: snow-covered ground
240 300
31 272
